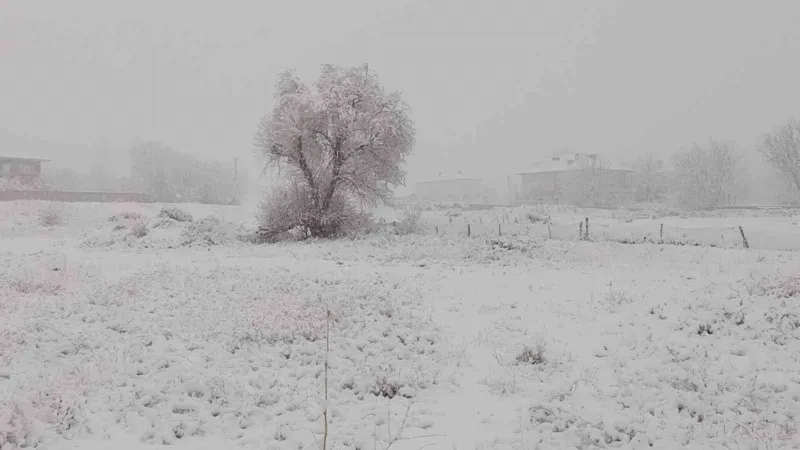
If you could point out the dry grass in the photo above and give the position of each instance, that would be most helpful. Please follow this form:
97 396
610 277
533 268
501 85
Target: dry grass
27 284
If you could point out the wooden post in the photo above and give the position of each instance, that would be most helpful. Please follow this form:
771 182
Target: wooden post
437 230
549 230
499 230
744 238
586 230
661 233
580 231
469 231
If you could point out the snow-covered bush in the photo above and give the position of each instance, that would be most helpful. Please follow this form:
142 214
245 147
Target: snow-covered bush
410 215
207 231
139 229
175 213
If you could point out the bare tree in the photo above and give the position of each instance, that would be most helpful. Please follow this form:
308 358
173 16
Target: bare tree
708 175
340 144
649 179
781 148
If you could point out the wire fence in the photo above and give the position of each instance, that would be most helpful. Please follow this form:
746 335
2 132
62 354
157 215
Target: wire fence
735 236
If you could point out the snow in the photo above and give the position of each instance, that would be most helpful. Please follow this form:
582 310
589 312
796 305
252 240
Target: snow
189 338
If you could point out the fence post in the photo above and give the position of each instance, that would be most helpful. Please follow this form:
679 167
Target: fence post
586 230
744 238
549 230
580 231
661 233
437 230
499 230
469 231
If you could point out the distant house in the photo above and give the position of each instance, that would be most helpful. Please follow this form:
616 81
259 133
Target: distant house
565 178
24 168
455 188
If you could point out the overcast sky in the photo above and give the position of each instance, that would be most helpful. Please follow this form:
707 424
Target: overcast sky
493 85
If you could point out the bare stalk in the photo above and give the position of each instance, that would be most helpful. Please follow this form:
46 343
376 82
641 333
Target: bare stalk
327 357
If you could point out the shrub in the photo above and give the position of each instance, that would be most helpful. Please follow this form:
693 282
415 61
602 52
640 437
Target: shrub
50 217
532 355
410 214
207 231
176 214
537 217
139 229
127 215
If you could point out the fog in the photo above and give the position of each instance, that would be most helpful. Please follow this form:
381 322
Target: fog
493 86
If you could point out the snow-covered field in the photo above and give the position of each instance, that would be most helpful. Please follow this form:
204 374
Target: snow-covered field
124 330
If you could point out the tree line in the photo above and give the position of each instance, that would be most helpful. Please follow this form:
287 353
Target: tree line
720 173
165 174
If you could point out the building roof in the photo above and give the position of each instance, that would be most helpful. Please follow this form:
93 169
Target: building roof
6 157
565 164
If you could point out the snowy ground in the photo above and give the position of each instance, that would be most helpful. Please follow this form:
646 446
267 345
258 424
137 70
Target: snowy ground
136 332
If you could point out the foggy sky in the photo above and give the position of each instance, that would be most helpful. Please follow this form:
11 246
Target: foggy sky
492 85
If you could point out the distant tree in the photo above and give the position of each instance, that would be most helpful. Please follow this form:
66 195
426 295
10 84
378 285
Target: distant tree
338 148
781 148
171 176
150 167
649 179
708 175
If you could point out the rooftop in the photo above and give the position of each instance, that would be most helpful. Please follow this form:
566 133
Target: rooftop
5 157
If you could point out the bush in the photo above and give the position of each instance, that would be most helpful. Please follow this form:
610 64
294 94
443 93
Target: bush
50 217
174 213
532 355
207 231
127 215
410 214
139 229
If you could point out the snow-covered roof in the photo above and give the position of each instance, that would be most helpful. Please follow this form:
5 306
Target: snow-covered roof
567 163
7 157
